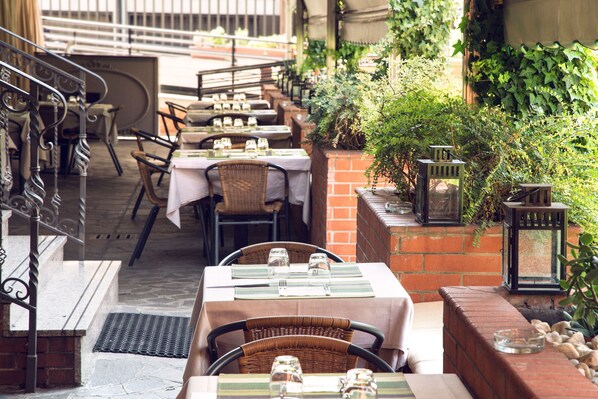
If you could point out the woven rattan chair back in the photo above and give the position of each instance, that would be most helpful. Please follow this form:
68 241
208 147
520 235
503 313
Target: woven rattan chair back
146 168
266 327
299 252
237 140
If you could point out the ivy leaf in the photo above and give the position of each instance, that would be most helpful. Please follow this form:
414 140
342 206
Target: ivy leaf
571 54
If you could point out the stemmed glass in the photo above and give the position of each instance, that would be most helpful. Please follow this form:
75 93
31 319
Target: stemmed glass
359 384
286 378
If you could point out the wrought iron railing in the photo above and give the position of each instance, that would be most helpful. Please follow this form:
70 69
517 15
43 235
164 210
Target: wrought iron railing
24 80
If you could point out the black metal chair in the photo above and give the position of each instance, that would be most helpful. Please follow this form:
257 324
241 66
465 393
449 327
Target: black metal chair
243 186
316 354
299 252
274 326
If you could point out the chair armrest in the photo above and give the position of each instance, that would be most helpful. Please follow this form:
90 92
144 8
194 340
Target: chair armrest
155 139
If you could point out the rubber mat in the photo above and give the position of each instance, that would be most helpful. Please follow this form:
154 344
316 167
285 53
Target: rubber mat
143 334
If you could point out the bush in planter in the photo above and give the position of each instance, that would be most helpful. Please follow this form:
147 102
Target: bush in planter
336 111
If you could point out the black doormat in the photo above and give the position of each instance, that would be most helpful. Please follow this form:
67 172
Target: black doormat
143 334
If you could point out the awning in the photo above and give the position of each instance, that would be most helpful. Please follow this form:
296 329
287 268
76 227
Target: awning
316 19
547 22
364 21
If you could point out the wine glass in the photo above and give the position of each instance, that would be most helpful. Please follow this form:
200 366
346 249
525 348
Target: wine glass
278 263
318 269
359 384
286 378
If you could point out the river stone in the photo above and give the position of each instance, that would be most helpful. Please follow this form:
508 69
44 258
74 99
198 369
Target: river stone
577 338
568 350
594 342
553 337
561 327
541 326
583 349
591 359
584 370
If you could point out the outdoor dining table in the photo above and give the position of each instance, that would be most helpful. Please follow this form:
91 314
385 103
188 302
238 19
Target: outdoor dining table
385 304
188 182
201 117
398 385
100 126
279 136
208 103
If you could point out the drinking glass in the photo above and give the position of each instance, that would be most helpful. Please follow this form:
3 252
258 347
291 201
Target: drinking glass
218 107
215 97
217 147
278 263
250 146
246 106
228 121
236 97
262 143
318 269
226 143
242 97
217 122
223 97
236 107
238 122
226 106
252 121
286 378
359 384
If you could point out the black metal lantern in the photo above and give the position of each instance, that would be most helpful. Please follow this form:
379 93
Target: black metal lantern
439 189
534 234
296 89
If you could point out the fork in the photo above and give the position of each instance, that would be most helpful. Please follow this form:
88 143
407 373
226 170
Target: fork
327 289
282 287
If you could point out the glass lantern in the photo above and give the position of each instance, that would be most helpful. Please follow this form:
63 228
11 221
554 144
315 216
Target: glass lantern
534 234
439 189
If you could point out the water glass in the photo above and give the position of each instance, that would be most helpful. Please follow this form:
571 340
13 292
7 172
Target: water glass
236 107
226 106
223 97
215 97
318 269
246 107
250 146
238 122
217 123
252 121
218 107
217 147
236 97
359 384
262 144
228 121
278 263
242 97
286 378
226 143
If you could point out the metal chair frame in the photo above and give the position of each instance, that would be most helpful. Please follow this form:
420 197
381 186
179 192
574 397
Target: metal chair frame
252 249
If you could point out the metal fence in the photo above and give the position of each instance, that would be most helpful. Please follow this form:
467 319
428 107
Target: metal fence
258 17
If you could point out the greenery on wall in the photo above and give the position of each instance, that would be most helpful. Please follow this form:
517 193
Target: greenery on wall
347 56
526 81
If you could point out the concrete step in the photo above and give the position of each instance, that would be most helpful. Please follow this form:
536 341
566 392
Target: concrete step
51 255
5 216
74 302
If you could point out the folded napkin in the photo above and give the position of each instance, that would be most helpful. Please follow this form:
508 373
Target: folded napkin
357 288
320 386
298 270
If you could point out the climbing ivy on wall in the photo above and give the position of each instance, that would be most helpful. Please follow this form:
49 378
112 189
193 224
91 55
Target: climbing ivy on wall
525 81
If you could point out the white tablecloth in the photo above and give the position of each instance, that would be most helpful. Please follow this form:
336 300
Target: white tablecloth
188 183
391 310
276 134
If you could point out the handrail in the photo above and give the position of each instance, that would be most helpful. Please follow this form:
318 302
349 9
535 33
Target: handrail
52 54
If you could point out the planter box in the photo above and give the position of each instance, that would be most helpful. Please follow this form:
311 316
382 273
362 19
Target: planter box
335 176
300 128
287 110
425 259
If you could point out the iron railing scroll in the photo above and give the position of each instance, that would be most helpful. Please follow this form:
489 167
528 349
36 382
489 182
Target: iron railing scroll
15 98
56 216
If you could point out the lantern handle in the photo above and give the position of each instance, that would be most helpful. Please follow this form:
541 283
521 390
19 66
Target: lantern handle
451 155
521 195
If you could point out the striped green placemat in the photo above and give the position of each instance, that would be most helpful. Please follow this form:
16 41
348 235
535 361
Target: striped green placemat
338 270
246 386
357 288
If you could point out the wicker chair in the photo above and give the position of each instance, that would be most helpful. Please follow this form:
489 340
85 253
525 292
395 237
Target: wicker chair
299 252
146 164
275 326
316 355
237 140
244 184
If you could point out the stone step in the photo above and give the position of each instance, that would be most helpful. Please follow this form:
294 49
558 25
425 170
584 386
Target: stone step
5 216
74 303
51 255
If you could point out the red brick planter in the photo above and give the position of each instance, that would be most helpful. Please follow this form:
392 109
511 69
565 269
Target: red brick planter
335 176
300 128
471 315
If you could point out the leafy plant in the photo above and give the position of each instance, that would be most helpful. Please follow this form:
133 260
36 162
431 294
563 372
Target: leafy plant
347 55
336 111
582 281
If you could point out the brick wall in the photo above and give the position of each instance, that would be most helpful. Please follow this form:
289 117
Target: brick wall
335 176
58 362
299 130
287 110
471 315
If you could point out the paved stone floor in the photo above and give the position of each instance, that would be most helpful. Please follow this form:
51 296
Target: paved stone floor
163 281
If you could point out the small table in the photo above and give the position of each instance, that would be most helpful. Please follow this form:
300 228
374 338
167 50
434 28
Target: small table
188 182
203 116
279 136
423 386
390 309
